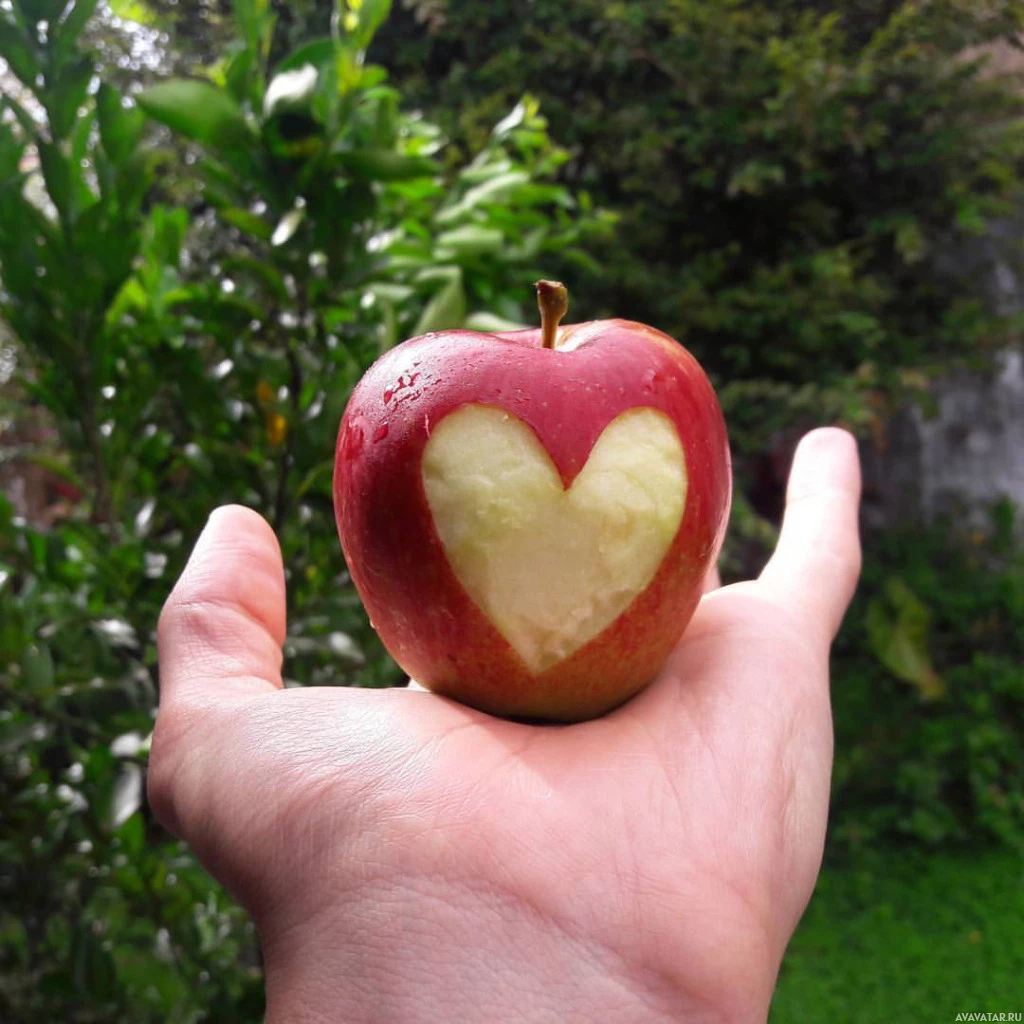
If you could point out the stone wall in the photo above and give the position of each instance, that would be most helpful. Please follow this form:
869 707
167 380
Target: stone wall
960 460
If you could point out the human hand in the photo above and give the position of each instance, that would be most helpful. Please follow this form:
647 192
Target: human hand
409 859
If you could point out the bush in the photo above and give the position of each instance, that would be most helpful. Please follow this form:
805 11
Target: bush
928 692
798 181
183 356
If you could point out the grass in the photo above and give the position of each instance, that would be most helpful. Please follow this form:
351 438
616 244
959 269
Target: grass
906 937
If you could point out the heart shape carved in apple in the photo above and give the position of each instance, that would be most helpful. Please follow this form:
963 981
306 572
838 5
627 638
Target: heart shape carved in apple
506 520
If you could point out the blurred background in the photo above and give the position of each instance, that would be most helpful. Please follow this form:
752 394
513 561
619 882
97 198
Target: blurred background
215 215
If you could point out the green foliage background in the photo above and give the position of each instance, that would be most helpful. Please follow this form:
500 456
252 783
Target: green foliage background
791 176
194 276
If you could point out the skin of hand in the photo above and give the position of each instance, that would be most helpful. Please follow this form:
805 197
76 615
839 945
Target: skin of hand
408 859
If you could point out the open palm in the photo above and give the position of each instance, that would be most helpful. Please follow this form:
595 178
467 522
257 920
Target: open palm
407 858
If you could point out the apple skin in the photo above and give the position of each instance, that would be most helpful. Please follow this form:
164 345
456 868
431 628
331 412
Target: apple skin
567 396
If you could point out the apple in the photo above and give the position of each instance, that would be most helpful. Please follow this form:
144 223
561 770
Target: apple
529 516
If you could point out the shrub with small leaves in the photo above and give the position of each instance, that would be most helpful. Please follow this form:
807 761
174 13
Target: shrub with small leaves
190 310
929 692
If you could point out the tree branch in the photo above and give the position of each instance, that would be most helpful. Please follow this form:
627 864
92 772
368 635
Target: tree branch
283 500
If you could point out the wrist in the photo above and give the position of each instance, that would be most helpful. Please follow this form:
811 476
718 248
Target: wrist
422 951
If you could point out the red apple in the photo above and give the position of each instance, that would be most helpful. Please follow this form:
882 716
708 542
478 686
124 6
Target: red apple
529 516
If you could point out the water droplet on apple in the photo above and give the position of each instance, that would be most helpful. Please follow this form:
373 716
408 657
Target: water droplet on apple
401 384
355 437
653 379
381 432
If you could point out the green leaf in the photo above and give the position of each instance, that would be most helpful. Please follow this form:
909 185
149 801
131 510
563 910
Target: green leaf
386 124
132 835
37 669
446 310
248 222
74 21
316 52
471 240
82 136
13 739
344 73
489 192
239 74
388 327
138 971
492 324
60 182
221 182
395 294
266 273
475 175
133 10
386 165
370 16
372 76
41 10
18 52
897 627
92 966
11 154
67 96
910 241
253 21
755 178
166 230
14 939
131 297
59 468
22 116
197 110
134 177
438 275
121 127
79 145
360 19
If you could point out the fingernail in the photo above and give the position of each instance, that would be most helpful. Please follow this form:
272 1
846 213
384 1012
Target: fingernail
211 525
216 514
832 438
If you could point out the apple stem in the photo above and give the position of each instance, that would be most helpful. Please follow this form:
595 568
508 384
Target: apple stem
553 301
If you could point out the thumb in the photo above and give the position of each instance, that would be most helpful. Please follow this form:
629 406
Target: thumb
219 639
222 628
816 564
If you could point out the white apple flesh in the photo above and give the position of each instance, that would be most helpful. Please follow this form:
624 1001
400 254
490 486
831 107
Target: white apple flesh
552 566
